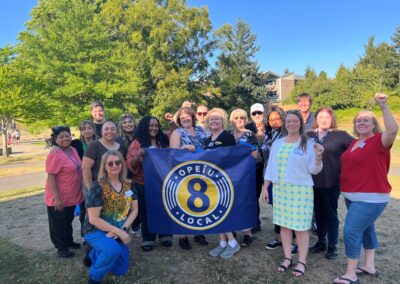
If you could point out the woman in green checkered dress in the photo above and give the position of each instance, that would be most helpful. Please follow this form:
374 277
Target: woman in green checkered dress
292 161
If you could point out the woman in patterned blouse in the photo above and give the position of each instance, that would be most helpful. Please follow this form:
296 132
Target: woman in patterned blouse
245 137
111 208
190 137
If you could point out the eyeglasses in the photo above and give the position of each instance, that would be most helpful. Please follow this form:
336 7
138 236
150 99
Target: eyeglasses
254 113
202 113
112 163
239 117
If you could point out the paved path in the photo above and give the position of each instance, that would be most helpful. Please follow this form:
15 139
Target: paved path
24 180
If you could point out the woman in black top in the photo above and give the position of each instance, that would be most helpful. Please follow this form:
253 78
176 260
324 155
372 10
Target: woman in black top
326 183
92 157
217 122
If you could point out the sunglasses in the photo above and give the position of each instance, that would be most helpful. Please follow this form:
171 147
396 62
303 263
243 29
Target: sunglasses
202 113
112 163
239 117
254 113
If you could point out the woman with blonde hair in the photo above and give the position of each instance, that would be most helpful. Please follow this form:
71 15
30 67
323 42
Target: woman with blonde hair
126 129
243 136
365 187
111 208
217 122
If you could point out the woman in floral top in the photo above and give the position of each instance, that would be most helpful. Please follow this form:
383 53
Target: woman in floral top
111 208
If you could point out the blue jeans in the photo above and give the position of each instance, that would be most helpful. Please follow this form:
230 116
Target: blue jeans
107 255
359 228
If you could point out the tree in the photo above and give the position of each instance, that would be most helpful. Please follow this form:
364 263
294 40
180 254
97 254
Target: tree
237 73
131 55
383 59
20 100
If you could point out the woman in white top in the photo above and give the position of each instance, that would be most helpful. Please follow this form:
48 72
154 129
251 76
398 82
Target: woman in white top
292 161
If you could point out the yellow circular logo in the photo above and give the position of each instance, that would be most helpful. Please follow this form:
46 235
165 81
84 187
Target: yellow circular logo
197 195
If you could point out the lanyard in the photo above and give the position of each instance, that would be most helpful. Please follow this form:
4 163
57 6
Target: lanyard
322 140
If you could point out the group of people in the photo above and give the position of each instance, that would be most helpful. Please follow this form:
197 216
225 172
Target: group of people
303 162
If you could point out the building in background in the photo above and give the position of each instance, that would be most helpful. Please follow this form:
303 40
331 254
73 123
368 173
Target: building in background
278 87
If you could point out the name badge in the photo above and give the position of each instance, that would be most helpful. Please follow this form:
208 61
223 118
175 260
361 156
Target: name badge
128 193
298 151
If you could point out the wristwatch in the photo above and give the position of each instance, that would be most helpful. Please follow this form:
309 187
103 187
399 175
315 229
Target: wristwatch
125 229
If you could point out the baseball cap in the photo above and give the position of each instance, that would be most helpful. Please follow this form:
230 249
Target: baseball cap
256 107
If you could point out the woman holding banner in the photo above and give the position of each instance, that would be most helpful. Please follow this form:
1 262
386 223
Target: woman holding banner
190 137
292 161
148 135
243 136
217 122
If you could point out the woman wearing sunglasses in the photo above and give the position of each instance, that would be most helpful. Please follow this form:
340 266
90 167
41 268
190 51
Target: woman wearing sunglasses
111 208
243 136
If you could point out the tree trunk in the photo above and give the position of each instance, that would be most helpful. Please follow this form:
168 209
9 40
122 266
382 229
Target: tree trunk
5 138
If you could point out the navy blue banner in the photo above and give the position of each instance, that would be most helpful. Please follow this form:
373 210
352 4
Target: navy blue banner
207 192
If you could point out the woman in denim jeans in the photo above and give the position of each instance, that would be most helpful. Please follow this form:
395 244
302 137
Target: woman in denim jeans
365 187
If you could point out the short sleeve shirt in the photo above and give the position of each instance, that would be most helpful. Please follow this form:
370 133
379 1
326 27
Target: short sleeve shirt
115 206
95 151
68 173
224 139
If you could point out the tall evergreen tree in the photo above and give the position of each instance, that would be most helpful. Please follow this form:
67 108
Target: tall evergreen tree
237 73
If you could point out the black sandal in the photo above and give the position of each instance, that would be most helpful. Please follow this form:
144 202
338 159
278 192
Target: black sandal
299 271
285 267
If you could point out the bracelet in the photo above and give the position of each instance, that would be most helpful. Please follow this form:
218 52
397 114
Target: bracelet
125 229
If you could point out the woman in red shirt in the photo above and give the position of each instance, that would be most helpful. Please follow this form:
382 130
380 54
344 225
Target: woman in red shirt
364 185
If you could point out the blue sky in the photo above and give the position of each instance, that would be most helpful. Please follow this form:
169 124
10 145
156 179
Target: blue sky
291 34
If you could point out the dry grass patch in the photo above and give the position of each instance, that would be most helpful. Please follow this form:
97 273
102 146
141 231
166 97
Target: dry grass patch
16 171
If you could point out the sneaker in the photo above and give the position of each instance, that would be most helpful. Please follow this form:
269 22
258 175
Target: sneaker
65 253
184 243
74 245
256 229
295 248
274 244
201 240
318 247
247 240
217 251
230 251
332 253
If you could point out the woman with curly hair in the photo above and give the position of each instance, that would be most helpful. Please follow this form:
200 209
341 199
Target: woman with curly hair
148 135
